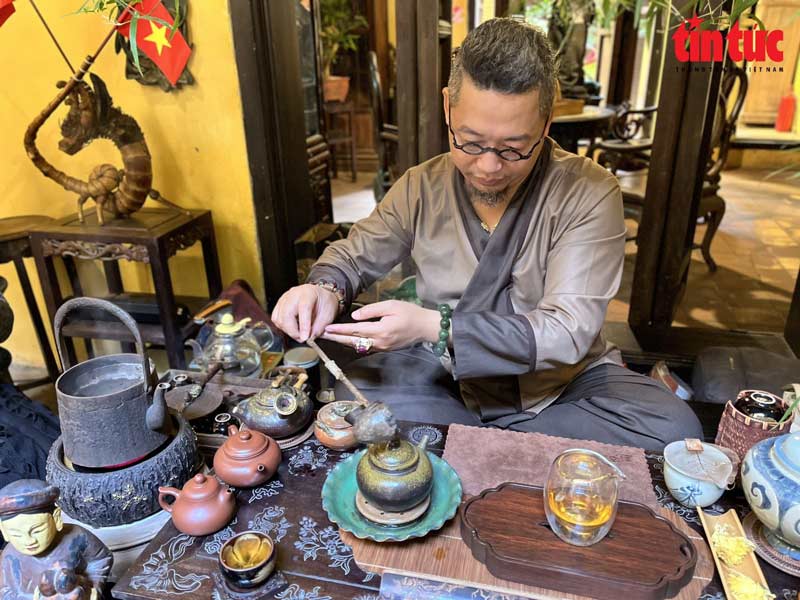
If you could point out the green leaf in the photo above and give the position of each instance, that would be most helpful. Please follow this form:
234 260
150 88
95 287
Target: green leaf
134 46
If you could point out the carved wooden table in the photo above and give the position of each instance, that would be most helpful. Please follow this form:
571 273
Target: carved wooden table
150 236
313 561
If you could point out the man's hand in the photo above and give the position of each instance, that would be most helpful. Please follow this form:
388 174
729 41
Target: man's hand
401 324
305 310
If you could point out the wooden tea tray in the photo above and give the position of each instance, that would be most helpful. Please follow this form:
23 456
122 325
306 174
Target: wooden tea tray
443 556
749 565
644 557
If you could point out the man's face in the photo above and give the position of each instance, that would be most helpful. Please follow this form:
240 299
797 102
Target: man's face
31 534
499 120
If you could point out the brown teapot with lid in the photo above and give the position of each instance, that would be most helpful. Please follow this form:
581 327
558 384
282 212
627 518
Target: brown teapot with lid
202 507
248 458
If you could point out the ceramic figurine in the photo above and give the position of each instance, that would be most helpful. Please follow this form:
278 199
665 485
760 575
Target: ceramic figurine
279 411
45 557
202 507
248 458
771 483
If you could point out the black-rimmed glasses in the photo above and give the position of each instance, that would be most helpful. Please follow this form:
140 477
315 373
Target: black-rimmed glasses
475 149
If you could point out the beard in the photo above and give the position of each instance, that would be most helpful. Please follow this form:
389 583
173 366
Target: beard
490 199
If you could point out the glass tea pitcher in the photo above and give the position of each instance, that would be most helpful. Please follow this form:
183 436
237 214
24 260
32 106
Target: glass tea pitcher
580 498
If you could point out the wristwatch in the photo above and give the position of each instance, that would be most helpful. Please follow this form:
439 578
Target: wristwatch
332 287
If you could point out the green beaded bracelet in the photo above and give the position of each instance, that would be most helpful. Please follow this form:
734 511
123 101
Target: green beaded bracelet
446 312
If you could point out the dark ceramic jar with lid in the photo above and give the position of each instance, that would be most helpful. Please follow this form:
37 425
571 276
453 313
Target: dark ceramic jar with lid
395 475
760 405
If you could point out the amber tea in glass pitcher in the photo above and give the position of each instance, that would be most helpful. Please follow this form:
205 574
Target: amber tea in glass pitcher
580 497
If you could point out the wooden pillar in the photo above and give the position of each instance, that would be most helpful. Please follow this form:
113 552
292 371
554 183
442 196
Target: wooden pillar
407 115
674 183
268 62
623 57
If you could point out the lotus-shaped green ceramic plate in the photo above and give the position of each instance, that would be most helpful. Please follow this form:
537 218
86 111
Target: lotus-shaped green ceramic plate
339 501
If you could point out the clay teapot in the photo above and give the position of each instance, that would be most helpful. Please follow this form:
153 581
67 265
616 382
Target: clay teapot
278 411
202 507
395 475
331 428
248 458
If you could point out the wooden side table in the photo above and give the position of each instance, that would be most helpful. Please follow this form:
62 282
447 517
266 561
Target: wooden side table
14 247
150 236
337 137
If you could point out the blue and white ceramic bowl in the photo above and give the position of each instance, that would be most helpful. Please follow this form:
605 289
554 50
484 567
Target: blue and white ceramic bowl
771 483
686 484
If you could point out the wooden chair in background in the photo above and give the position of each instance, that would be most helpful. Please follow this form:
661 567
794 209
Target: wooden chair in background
711 208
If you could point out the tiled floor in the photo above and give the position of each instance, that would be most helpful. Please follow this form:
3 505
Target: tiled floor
757 249
352 200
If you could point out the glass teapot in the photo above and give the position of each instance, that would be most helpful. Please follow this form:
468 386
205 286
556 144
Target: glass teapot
580 498
233 344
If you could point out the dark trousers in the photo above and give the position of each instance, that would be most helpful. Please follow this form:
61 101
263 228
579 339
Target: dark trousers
607 403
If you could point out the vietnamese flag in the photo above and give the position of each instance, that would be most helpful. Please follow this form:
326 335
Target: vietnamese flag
6 10
168 51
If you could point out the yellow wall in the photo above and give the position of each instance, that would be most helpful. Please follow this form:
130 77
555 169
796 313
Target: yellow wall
460 19
195 135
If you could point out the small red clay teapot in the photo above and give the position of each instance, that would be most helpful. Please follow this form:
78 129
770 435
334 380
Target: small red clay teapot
248 458
202 507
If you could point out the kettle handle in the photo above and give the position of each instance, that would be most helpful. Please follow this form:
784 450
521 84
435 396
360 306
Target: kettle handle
104 305
163 492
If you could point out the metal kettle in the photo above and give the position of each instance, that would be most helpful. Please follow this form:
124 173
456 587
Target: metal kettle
111 411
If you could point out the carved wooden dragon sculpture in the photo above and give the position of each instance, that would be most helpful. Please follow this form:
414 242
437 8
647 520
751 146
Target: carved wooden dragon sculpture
92 115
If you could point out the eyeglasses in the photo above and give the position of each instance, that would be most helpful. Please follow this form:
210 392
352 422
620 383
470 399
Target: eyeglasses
475 149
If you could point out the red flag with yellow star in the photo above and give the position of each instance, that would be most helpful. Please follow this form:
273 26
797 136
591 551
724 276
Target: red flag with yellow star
167 49
6 10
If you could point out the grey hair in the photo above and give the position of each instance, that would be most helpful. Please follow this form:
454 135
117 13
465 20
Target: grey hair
509 57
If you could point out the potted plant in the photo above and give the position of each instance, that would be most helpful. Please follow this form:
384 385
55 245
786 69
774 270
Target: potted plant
340 30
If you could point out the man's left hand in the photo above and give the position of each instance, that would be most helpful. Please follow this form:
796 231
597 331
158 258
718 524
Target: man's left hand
401 324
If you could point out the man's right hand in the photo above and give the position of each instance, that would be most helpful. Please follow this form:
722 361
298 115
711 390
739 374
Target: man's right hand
305 311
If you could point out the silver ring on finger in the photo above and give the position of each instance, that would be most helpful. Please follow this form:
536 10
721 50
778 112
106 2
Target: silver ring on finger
363 345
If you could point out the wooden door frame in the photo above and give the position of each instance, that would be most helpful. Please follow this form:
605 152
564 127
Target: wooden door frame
268 63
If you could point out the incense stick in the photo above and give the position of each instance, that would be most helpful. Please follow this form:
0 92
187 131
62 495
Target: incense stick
334 370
